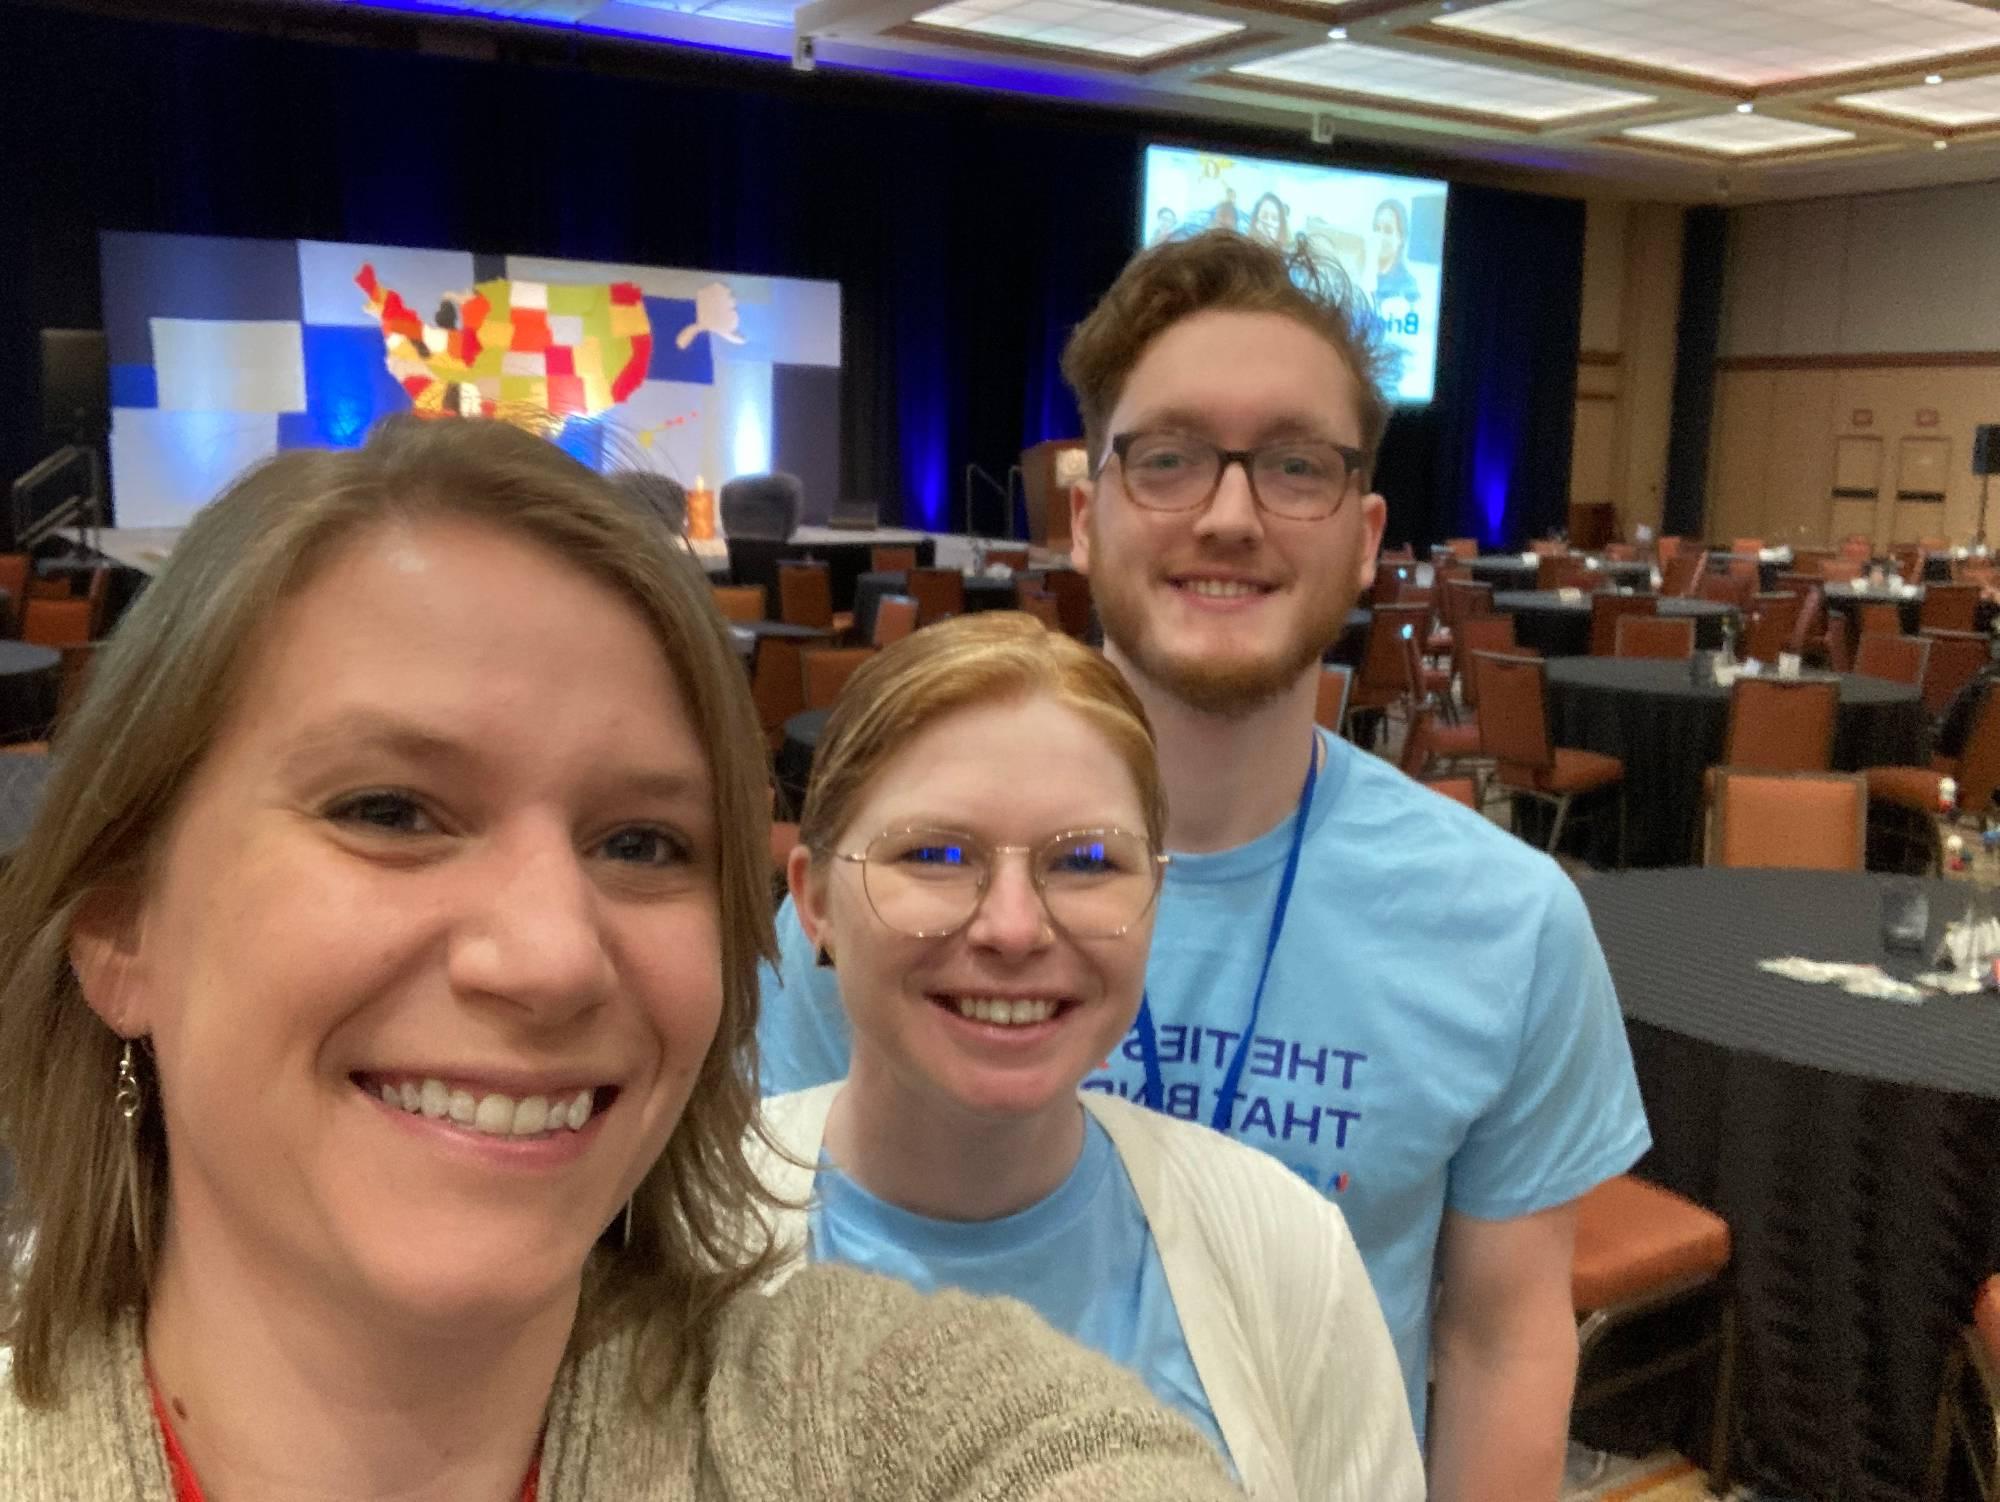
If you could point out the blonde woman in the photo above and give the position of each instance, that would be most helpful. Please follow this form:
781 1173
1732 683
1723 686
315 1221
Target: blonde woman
979 863
379 981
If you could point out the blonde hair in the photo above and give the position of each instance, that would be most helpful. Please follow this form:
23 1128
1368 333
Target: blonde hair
1223 271
160 692
971 660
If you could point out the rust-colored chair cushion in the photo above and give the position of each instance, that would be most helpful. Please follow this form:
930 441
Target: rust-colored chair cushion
1914 788
1574 772
1663 638
1458 789
1802 821
1448 741
1632 1236
1986 1319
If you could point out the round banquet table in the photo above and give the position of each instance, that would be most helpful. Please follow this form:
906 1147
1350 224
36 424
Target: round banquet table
1848 1142
1556 627
1848 602
1506 571
1353 639
794 762
1768 569
23 774
1668 729
28 675
981 593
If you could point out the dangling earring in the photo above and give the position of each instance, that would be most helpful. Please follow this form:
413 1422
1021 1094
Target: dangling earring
823 957
130 1101
625 1234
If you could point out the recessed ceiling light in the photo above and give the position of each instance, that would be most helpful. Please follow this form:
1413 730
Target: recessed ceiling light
1933 78
1746 108
1336 33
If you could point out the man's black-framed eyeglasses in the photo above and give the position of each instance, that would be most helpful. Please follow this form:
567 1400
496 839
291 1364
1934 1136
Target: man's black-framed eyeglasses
1304 479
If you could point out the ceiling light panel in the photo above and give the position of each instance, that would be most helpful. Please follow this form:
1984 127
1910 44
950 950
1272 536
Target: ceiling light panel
1739 135
1107 27
1748 42
1963 101
1420 78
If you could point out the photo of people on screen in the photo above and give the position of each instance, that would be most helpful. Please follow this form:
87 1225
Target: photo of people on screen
1383 232
1271 221
1393 279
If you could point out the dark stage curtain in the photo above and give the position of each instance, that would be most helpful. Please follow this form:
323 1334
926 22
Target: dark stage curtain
1704 245
968 232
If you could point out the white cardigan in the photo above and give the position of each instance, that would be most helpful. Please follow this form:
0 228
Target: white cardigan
1280 1319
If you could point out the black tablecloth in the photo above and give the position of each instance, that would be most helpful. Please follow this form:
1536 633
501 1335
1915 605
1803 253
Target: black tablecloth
1849 602
981 593
1627 575
1353 639
1668 729
22 777
1849 1143
28 680
795 754
1767 570
1556 627
755 560
1506 571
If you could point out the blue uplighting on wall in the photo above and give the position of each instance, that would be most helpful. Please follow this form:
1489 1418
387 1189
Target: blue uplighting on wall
1495 442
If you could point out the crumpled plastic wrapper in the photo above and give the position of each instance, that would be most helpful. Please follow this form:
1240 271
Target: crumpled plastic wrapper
1857 980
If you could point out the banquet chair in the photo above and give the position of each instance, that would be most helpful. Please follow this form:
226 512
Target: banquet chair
777 684
1949 607
1781 724
1842 570
1330 706
1681 572
1666 638
1955 659
1464 548
739 602
895 618
1731 588
1641 1250
939 592
1620 552
1895 657
1607 610
1773 621
57 623
1977 770
1385 681
1857 547
1548 547
1014 558
14 570
1810 561
1041 605
891 560
1878 618
827 670
1805 821
1746 545
762 506
1072 591
805 598
1968 1415
1459 789
1564 571
1514 735
1483 632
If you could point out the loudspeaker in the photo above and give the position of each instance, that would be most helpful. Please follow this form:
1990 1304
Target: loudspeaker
76 386
1986 449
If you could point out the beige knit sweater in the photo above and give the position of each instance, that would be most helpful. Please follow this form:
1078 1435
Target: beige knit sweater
841 1387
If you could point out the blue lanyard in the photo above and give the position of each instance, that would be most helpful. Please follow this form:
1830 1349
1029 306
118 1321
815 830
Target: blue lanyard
1155 1093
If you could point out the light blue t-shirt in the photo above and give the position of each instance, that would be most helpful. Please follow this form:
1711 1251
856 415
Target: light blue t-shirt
1439 1030
1083 1259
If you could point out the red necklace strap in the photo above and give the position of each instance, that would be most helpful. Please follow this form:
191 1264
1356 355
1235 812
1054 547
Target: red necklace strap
187 1489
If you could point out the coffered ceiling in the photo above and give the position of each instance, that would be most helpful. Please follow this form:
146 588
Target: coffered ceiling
1698 99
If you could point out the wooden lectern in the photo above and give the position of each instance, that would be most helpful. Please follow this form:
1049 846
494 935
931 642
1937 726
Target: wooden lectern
1048 470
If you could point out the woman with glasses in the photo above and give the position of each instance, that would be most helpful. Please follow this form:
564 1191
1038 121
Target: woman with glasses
979 860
